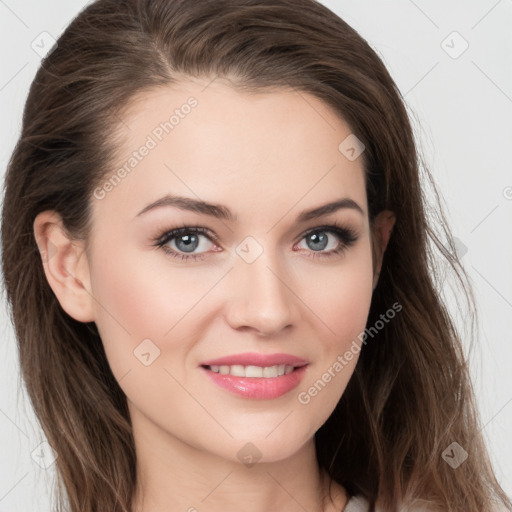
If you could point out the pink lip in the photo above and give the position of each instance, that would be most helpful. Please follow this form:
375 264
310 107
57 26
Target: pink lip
256 359
258 388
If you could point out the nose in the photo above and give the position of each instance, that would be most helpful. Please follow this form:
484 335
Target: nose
263 299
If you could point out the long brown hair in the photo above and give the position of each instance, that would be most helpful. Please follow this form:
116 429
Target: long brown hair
410 396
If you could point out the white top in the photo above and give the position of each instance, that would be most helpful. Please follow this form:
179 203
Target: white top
356 504
360 504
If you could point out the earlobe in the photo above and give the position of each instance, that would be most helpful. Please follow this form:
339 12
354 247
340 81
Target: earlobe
65 265
383 227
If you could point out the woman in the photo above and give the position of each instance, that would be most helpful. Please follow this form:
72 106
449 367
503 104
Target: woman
215 249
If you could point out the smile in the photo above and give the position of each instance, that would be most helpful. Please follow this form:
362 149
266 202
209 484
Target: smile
256 376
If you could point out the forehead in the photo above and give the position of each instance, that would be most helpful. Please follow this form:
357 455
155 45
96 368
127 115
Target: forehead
268 150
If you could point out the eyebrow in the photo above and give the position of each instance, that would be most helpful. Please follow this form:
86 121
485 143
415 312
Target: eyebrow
222 212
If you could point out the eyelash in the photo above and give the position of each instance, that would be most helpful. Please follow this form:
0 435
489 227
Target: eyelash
347 236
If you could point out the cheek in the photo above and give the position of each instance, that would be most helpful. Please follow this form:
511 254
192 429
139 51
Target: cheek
138 297
344 304
341 296
341 302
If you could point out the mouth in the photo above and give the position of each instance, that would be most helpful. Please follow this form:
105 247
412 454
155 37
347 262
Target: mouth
256 382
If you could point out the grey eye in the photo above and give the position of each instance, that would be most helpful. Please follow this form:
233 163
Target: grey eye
187 243
318 241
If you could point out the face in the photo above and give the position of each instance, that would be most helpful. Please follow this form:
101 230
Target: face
255 277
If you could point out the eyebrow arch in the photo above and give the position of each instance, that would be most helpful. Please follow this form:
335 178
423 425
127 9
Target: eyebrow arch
224 213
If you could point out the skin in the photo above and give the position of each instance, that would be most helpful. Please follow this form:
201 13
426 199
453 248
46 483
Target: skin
267 156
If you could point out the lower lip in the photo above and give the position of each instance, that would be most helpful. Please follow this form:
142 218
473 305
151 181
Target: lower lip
258 388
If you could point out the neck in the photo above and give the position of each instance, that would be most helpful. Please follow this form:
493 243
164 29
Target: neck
172 475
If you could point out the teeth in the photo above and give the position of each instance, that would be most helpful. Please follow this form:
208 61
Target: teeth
239 370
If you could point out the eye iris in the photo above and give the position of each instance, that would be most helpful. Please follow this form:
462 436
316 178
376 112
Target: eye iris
190 241
318 239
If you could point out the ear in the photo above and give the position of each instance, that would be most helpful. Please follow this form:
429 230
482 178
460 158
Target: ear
65 265
381 232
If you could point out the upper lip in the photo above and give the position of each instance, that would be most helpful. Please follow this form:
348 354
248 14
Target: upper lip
256 359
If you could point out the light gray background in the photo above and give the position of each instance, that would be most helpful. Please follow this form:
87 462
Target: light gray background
462 109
